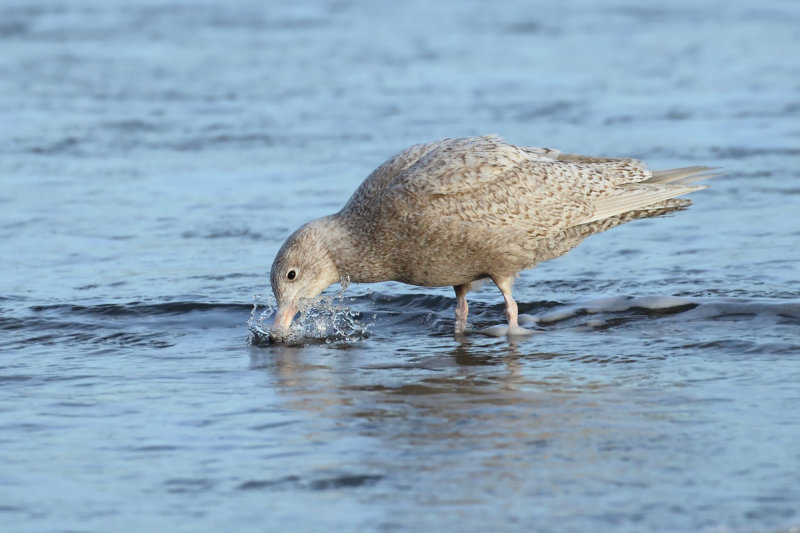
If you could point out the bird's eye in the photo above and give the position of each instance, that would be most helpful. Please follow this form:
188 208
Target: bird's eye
291 274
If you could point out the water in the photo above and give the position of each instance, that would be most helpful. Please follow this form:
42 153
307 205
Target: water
155 155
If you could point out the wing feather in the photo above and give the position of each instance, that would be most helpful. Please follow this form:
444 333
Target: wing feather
539 192
631 199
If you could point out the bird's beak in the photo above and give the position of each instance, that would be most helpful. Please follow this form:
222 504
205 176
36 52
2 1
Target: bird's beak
283 320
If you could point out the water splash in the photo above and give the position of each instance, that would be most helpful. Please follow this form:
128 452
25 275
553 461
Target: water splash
327 319
262 315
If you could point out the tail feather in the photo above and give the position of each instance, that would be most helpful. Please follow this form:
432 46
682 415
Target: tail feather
653 210
660 187
636 196
682 175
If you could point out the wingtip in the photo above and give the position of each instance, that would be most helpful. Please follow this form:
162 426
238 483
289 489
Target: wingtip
700 177
682 176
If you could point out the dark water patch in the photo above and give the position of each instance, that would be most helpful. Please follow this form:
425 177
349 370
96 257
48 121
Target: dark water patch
74 404
287 482
273 425
532 28
28 427
15 378
12 323
772 311
664 311
12 28
676 114
261 22
229 233
648 14
751 174
227 276
130 135
619 119
247 18
132 126
153 340
139 308
528 27
472 387
347 481
189 485
60 378
786 111
781 190
724 345
155 448
742 152
613 359
562 110
71 145
244 140
402 302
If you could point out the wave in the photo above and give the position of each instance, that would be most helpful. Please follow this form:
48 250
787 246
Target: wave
138 308
131 324
410 312
381 313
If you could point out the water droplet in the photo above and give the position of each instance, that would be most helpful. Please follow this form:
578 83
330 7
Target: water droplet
327 318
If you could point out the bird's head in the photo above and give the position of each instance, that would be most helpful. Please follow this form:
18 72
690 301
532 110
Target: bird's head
302 269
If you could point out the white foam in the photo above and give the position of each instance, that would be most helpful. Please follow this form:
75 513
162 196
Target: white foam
520 331
559 314
660 302
502 330
499 330
612 304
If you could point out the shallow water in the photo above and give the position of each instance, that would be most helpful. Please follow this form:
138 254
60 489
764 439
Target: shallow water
155 155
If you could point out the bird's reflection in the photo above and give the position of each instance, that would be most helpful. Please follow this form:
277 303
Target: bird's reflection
489 411
488 371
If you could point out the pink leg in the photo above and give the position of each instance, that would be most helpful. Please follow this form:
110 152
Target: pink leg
511 310
504 284
462 309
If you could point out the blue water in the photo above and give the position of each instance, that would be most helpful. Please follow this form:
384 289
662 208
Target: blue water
155 155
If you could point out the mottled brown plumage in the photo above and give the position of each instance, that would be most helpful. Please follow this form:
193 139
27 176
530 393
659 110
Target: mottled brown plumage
454 211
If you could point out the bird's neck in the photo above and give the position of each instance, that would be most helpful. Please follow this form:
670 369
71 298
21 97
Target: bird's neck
351 250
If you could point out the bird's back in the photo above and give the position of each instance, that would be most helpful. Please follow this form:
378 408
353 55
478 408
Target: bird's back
456 210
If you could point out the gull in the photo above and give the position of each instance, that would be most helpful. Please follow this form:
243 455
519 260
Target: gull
454 212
